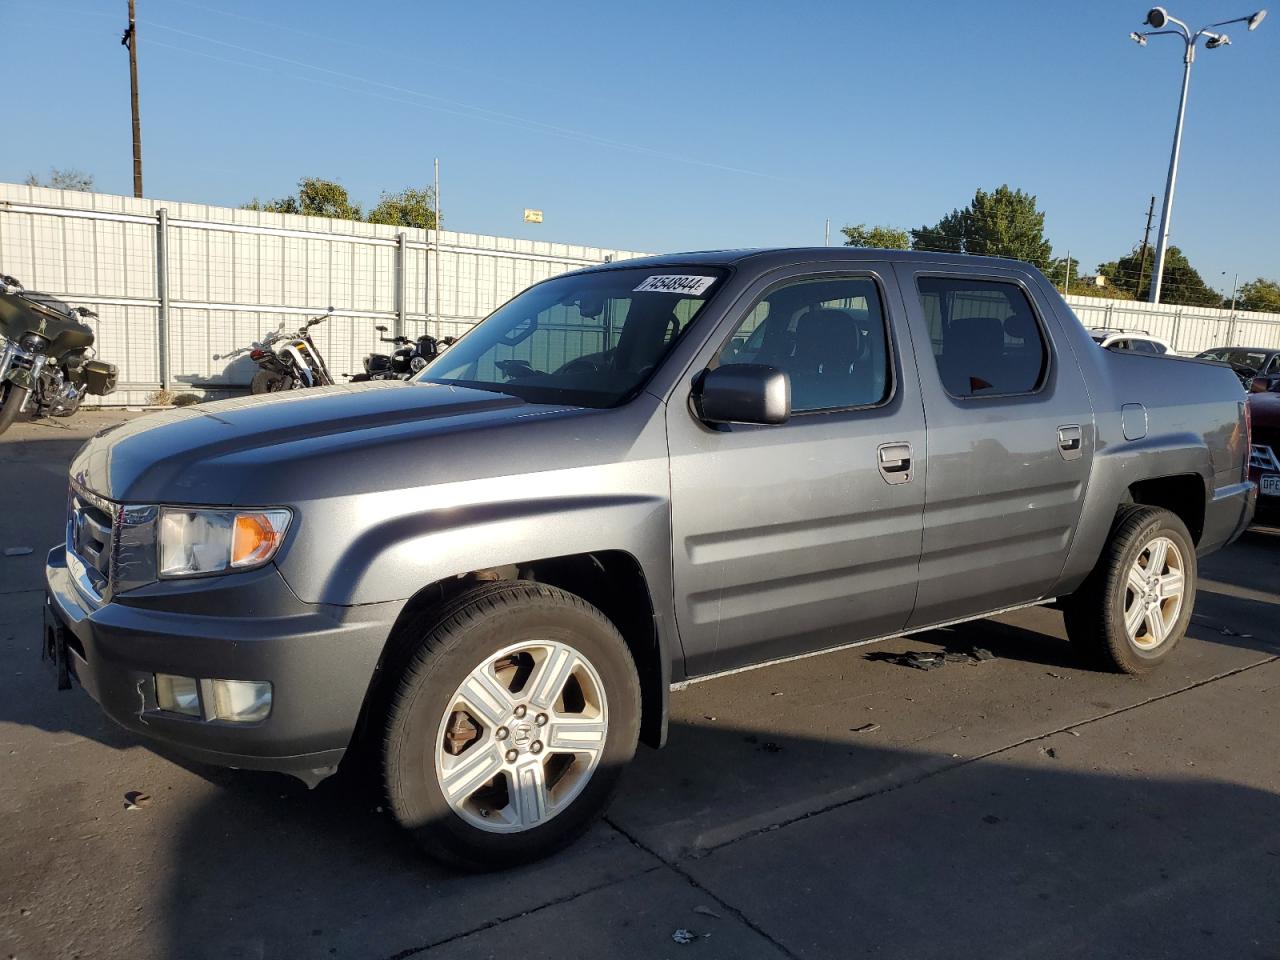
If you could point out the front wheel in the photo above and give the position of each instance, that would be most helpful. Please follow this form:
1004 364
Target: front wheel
510 725
14 397
1136 604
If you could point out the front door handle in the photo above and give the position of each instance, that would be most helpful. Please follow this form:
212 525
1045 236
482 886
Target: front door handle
1069 441
894 461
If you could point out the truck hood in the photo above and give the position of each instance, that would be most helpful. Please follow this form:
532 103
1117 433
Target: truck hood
218 453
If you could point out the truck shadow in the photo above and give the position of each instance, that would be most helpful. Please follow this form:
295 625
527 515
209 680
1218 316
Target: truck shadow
1018 853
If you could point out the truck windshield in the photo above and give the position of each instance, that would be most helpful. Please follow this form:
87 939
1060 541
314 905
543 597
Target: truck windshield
590 339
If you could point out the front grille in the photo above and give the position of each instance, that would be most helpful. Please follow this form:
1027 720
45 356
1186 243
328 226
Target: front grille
1263 457
91 538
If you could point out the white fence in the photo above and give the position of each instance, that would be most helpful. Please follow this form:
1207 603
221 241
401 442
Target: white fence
176 283
1189 329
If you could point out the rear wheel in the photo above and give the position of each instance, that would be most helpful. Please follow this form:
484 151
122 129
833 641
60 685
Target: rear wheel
10 403
1136 605
510 726
268 381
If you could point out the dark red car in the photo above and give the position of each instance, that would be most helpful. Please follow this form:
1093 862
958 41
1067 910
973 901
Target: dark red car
1264 455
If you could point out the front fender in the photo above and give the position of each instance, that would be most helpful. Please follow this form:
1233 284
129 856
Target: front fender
21 377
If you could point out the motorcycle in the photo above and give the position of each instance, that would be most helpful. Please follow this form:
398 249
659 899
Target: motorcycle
402 363
45 355
294 365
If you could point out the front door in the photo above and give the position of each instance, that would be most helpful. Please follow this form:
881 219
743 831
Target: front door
803 535
1010 440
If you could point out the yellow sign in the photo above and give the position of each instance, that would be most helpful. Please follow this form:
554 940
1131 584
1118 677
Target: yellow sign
532 216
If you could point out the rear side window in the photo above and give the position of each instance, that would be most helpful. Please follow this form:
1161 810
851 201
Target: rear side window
986 341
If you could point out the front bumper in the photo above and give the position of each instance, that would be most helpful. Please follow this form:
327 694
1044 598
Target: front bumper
319 659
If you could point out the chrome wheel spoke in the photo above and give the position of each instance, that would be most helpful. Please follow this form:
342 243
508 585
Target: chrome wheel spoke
489 698
576 734
1156 553
550 676
1169 585
1156 624
470 771
1134 616
529 798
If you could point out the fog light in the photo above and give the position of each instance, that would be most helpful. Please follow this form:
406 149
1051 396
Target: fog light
243 701
178 694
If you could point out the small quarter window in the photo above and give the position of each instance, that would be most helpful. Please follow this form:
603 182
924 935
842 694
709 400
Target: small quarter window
986 340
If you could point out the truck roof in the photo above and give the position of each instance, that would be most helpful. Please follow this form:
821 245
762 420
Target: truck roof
770 256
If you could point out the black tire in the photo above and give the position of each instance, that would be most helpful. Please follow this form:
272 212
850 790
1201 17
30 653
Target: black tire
268 381
441 650
1094 614
14 395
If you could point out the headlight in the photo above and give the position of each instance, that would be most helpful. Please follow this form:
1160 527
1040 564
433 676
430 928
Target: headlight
33 343
417 363
193 542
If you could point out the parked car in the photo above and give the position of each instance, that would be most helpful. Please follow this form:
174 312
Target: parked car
1264 454
1247 362
1139 341
630 477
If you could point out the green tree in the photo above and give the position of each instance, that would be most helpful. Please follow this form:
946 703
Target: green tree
1002 223
881 237
69 179
1260 294
316 198
408 208
1060 270
1182 283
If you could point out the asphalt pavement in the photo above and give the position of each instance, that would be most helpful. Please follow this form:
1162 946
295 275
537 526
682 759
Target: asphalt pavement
845 805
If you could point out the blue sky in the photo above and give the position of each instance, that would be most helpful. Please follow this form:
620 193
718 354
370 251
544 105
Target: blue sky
665 126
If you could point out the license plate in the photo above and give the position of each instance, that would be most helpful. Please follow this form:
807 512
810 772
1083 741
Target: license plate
1269 485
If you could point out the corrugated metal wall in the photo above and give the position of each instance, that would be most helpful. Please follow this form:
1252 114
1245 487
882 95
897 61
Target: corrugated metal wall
234 275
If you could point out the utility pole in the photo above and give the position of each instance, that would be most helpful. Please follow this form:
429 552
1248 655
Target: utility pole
130 40
826 236
1066 277
1142 261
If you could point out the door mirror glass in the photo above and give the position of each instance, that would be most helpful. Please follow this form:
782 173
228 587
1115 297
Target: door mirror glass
1260 384
744 393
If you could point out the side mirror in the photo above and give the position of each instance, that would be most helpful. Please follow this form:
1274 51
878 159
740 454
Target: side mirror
1259 384
381 328
744 393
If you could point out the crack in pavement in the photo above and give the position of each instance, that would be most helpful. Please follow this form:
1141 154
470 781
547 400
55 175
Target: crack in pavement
498 921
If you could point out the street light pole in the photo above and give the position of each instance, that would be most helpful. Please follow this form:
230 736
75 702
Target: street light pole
1159 18
1162 238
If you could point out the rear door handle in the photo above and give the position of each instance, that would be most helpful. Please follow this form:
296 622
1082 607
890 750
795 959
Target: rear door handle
894 461
1069 441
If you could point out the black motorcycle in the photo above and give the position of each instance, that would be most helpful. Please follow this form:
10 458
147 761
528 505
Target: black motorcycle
296 364
44 347
402 363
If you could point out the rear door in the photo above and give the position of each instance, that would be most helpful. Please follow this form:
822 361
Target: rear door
1011 439
802 535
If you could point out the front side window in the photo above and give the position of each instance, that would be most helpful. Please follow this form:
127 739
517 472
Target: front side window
590 339
828 335
986 340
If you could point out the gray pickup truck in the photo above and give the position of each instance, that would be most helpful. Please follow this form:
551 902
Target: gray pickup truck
626 479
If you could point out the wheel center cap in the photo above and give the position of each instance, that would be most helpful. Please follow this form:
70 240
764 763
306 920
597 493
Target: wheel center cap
522 734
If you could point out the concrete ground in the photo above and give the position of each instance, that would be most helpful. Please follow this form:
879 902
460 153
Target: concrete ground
1021 807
